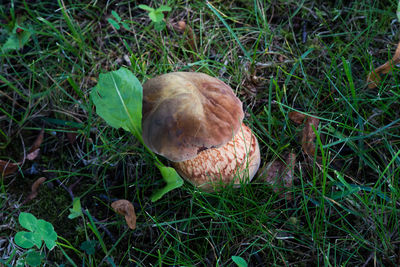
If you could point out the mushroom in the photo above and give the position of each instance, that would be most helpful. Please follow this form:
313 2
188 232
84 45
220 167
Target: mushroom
195 121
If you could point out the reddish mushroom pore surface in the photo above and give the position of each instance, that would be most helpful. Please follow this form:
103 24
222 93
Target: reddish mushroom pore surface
236 162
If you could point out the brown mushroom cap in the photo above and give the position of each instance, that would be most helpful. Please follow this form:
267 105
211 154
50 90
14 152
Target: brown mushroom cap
185 113
216 167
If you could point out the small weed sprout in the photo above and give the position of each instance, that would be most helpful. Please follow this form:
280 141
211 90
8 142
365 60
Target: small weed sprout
157 15
117 22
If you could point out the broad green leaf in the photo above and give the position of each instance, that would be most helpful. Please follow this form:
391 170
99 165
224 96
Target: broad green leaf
113 23
171 177
240 262
20 263
159 26
16 40
146 7
46 230
33 258
398 12
164 9
118 100
89 246
76 210
111 261
125 25
116 16
27 239
156 16
27 220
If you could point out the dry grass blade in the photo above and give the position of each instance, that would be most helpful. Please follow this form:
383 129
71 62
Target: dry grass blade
125 207
374 76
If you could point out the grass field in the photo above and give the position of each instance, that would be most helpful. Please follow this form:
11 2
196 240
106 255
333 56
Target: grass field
313 57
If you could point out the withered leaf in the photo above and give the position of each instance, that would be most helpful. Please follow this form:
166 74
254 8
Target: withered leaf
7 167
71 136
125 207
34 150
182 27
297 117
308 135
374 76
279 174
35 188
33 155
39 139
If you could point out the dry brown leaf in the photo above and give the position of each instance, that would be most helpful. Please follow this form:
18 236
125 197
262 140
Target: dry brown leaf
308 135
35 188
34 150
186 29
7 167
33 155
297 117
125 207
374 76
71 136
279 174
38 142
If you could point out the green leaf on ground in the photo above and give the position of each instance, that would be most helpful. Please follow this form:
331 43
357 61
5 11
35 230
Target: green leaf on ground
171 177
17 39
116 16
159 26
27 220
118 99
46 230
113 23
33 258
89 246
76 210
240 262
398 12
146 7
164 9
156 16
27 239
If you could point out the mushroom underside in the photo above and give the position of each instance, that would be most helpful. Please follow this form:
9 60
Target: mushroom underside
236 162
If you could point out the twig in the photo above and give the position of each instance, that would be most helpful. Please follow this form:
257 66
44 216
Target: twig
367 261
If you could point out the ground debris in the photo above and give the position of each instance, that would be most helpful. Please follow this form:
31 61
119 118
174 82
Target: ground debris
187 31
35 188
7 167
35 149
279 174
125 207
374 77
297 117
307 135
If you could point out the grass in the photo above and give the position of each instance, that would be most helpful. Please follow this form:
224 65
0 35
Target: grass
344 210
